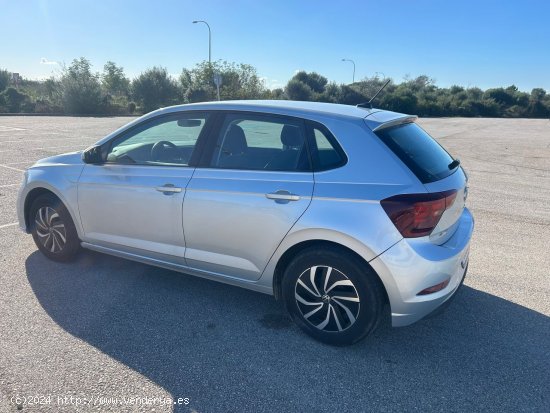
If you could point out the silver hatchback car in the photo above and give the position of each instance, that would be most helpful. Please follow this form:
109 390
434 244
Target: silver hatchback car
341 212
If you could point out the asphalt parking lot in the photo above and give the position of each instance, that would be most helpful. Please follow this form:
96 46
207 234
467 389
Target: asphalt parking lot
105 327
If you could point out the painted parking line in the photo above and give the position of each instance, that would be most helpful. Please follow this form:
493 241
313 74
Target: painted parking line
9 128
12 168
18 163
9 225
44 149
22 140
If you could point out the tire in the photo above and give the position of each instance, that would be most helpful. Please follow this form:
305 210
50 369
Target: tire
53 229
311 305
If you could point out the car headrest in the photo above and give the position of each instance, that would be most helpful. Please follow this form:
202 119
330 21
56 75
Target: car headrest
290 136
235 141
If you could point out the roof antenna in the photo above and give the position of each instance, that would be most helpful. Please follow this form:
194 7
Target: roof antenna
369 103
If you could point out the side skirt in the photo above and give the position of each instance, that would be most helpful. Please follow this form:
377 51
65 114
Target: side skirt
180 268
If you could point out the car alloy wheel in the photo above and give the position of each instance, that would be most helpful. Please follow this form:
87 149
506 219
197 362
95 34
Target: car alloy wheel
327 299
50 229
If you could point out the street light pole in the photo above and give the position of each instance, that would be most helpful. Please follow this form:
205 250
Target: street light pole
209 40
216 76
349 60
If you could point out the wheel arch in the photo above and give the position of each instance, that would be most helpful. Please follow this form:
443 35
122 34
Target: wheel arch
295 249
39 190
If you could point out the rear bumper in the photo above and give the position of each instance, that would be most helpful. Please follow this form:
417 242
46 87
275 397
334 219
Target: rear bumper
412 265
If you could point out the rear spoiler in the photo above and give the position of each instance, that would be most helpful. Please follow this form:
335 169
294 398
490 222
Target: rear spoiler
396 122
382 119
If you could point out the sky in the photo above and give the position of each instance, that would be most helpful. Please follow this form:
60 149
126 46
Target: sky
482 43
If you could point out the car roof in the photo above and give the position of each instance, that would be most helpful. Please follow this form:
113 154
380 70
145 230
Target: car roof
375 118
290 107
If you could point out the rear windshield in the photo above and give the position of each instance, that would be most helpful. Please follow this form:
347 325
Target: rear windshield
419 151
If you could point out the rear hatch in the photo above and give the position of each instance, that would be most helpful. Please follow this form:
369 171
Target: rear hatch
438 171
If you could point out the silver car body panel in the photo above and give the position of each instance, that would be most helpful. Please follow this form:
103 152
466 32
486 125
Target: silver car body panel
231 226
134 212
221 225
58 174
412 265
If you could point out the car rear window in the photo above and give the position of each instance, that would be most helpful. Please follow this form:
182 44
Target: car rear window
419 151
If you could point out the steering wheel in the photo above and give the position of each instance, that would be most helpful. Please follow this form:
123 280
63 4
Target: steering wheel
160 149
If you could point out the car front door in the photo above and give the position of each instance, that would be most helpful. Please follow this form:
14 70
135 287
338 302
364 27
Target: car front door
253 184
133 201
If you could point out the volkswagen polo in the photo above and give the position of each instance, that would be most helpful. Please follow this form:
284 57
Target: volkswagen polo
341 212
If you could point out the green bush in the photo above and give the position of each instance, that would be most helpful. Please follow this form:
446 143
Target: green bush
154 88
314 80
297 90
239 81
348 95
13 100
198 94
5 78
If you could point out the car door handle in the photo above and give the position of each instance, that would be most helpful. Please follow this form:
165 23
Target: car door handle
168 189
282 196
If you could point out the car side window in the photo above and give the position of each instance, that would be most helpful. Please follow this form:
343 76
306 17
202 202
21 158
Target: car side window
167 140
261 142
326 153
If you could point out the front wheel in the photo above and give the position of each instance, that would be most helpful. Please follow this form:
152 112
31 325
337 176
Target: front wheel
332 295
53 229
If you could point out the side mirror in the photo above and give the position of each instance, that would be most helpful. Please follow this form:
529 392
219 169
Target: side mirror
92 155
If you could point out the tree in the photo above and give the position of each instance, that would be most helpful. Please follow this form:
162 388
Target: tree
314 80
5 78
114 81
419 83
369 86
331 93
536 106
350 96
501 96
154 88
306 86
276 94
81 90
401 100
53 91
297 90
12 99
239 81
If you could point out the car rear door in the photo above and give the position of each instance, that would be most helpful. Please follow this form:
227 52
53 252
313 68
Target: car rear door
254 183
133 201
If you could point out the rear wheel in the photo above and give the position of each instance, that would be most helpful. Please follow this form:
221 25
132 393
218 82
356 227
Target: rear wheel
53 229
332 295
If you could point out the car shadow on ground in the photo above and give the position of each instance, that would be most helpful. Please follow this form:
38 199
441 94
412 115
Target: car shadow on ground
231 349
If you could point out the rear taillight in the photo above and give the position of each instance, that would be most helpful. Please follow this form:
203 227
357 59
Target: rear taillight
416 215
